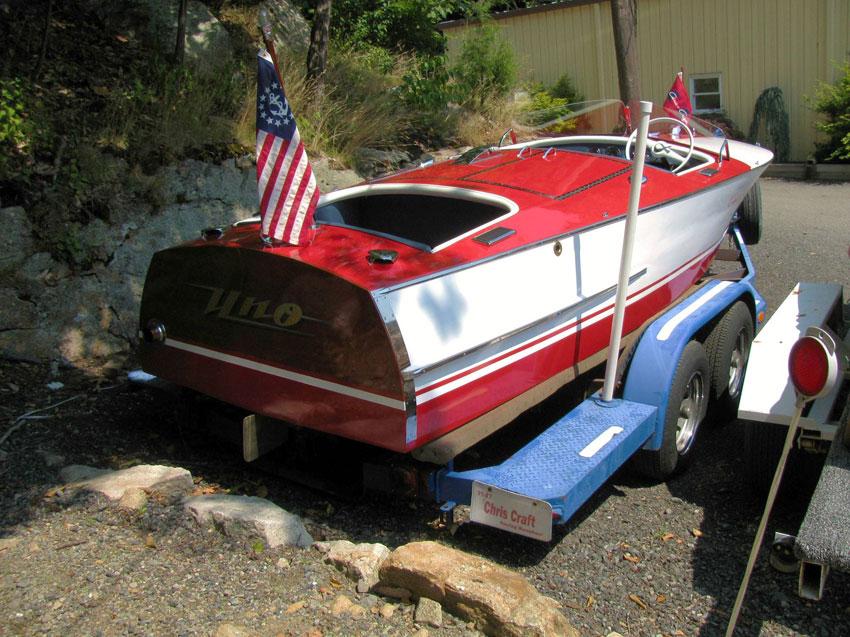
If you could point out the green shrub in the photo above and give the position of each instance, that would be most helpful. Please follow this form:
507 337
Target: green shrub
565 89
396 25
486 68
833 101
14 128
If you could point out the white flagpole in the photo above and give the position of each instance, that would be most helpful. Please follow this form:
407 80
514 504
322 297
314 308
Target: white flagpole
626 257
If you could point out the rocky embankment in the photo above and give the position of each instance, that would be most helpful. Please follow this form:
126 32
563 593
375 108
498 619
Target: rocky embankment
89 318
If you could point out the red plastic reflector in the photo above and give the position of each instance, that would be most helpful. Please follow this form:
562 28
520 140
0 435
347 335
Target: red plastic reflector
808 365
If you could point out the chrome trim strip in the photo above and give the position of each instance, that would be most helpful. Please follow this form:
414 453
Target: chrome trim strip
263 368
403 359
552 239
456 379
576 308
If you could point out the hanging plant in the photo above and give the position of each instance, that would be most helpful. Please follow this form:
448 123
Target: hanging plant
770 108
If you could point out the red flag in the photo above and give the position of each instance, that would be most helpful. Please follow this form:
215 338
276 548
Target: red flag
285 181
678 102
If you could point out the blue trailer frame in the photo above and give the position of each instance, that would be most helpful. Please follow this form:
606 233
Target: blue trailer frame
560 469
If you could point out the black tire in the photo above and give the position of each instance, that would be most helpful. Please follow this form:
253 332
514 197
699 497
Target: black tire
688 399
763 442
749 216
728 349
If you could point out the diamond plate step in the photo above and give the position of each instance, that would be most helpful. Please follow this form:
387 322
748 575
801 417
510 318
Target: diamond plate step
552 467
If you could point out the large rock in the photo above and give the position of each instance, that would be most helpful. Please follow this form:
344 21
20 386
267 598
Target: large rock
359 561
91 319
289 27
15 312
248 518
165 481
16 242
371 162
499 601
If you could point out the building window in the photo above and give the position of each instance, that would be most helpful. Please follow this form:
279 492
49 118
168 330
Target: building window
706 93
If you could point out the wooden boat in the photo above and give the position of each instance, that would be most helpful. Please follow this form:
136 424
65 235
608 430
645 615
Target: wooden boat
449 297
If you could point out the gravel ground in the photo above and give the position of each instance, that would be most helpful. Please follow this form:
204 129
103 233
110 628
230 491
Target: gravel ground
639 558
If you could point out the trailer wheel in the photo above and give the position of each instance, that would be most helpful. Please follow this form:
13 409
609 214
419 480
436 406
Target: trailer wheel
763 442
749 216
728 349
686 407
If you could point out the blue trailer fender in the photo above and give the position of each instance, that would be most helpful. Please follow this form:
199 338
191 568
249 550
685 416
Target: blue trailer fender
659 349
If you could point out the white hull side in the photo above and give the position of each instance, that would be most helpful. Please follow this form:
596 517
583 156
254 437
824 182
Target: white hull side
462 312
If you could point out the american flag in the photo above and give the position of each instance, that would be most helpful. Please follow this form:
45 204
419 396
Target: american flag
285 181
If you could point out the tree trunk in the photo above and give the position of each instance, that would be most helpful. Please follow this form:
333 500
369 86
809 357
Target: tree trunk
180 45
624 20
317 54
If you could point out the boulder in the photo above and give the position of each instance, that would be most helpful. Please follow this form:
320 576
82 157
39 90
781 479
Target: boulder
289 27
16 243
15 312
359 561
164 481
499 601
371 162
248 518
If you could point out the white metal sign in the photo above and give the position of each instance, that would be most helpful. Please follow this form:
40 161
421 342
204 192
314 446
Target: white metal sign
511 512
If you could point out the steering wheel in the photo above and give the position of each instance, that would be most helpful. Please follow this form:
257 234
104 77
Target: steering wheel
662 148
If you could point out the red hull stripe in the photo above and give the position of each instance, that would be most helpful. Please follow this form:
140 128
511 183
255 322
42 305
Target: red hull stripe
312 381
506 358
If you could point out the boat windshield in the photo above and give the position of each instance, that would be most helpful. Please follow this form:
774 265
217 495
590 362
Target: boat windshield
612 118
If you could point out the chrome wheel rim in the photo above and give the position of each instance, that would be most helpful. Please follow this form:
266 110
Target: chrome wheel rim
737 364
690 412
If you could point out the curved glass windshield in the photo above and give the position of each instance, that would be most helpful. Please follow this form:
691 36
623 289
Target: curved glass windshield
611 117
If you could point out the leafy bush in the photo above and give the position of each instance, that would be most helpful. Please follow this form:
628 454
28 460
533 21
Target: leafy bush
16 132
396 25
13 122
486 68
833 101
565 89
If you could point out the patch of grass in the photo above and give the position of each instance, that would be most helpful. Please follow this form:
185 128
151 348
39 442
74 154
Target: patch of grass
173 112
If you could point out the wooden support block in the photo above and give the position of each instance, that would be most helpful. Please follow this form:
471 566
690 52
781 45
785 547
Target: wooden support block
261 435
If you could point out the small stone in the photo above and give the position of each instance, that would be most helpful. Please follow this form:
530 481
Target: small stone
232 630
422 632
359 561
387 610
294 608
340 605
613 633
150 542
283 563
55 385
134 499
428 612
